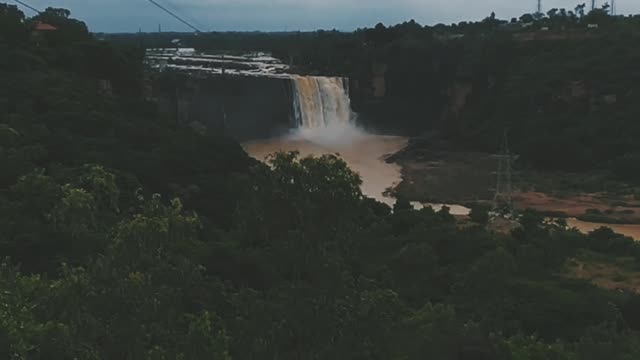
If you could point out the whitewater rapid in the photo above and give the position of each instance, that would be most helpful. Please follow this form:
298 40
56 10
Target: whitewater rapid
321 102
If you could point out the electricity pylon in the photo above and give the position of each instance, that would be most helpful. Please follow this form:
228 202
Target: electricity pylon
613 7
502 200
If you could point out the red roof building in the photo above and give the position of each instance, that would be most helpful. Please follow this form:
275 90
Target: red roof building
44 27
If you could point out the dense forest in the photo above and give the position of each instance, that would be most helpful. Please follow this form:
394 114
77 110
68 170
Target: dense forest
125 236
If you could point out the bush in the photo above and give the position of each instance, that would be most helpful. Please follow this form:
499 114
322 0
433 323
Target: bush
479 215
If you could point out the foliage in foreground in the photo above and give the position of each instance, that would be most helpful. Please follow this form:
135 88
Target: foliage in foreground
310 269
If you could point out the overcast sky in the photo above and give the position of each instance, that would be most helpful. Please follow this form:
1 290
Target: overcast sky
277 15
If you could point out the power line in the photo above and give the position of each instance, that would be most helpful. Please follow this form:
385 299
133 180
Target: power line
171 6
174 15
502 201
28 6
613 7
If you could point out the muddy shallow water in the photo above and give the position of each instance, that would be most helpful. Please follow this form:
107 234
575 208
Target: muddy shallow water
364 153
586 227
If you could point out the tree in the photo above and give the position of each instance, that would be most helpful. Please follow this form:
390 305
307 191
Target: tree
527 18
599 15
479 215
580 9
57 12
68 30
379 35
401 204
563 13
13 30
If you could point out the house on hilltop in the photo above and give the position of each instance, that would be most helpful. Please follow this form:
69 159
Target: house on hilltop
40 29
43 27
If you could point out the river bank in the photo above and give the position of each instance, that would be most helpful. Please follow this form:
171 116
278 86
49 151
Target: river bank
429 172
434 171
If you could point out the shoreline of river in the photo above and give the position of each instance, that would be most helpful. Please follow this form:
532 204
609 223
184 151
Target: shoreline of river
393 162
433 171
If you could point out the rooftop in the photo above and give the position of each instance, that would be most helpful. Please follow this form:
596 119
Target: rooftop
44 27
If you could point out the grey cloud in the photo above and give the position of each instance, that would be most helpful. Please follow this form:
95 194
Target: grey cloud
244 15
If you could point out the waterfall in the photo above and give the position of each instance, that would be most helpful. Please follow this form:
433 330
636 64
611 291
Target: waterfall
321 102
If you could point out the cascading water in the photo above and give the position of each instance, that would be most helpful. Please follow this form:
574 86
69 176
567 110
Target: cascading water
325 125
321 102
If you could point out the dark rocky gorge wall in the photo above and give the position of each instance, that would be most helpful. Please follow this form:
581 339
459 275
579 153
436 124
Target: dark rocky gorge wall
242 107
393 100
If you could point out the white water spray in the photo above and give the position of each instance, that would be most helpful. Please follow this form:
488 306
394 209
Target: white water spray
321 102
323 110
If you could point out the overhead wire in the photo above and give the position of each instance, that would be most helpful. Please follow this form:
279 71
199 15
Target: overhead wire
28 6
171 5
160 6
174 15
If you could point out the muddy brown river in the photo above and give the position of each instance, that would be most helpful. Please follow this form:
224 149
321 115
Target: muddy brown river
364 153
586 227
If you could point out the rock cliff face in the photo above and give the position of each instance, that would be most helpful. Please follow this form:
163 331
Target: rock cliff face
378 81
242 107
395 100
457 95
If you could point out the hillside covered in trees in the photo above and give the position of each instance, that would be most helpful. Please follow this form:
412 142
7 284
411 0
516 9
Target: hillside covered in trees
563 84
125 236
